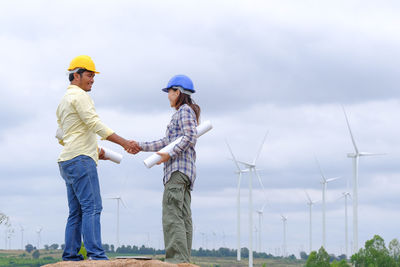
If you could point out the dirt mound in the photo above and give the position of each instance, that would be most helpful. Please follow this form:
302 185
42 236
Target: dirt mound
118 263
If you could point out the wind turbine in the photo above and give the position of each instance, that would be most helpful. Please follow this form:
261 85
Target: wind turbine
10 232
252 169
214 239
284 220
355 156
310 203
22 236
324 183
256 237
202 239
345 195
38 231
239 172
5 238
119 199
260 217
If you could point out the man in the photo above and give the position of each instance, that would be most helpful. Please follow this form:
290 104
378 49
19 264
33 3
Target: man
80 125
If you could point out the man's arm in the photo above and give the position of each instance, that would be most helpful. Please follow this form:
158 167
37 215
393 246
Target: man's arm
130 146
86 110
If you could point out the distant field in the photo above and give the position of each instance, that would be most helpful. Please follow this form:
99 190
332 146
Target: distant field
22 258
231 262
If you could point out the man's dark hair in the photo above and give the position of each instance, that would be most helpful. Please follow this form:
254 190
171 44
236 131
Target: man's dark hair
71 75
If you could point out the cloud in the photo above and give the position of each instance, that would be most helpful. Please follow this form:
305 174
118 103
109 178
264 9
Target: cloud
282 68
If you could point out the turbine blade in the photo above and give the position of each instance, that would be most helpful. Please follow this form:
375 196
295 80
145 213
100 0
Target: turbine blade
320 169
259 150
123 203
259 180
344 195
351 134
112 197
308 196
233 156
332 179
263 188
262 209
372 154
245 163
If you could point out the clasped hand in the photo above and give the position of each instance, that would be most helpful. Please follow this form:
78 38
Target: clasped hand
132 147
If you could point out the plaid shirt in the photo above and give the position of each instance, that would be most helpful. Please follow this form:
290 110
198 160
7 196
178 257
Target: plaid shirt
183 157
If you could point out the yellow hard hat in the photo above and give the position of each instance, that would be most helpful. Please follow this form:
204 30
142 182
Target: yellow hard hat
84 62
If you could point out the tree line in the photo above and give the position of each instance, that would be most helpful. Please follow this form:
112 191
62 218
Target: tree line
374 254
143 250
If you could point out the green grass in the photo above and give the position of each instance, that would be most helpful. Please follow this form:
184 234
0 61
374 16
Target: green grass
231 262
19 258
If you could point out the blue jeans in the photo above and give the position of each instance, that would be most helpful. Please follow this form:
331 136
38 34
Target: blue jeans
84 202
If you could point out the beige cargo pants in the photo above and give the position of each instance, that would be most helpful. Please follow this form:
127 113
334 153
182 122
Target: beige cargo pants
177 219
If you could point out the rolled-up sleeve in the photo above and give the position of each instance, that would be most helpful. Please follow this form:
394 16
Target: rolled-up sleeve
87 112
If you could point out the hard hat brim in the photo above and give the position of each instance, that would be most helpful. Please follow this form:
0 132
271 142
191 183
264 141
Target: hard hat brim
74 70
167 88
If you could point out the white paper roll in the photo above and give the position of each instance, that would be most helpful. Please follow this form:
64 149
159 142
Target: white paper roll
153 159
112 155
59 134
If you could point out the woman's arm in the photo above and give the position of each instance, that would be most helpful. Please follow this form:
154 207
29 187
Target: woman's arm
153 145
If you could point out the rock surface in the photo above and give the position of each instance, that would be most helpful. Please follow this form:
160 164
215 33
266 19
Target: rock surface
118 263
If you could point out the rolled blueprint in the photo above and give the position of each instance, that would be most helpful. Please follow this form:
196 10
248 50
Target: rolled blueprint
153 159
111 155
59 134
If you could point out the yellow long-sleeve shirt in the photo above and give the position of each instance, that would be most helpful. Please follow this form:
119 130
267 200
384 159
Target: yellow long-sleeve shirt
77 117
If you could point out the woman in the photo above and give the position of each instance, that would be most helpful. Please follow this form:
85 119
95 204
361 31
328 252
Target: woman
179 169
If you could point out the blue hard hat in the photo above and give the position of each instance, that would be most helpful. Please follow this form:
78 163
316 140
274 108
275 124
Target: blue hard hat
180 80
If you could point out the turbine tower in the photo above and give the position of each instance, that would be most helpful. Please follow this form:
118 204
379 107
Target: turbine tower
214 240
10 232
256 237
324 183
119 199
345 195
22 236
284 220
310 203
252 169
260 218
260 215
355 156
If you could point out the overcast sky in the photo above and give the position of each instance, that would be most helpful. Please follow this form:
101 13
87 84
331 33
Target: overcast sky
285 67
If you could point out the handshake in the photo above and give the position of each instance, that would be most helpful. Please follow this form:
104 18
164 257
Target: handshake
132 147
